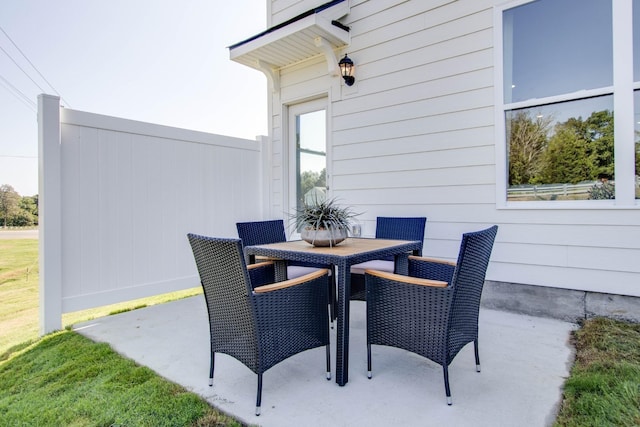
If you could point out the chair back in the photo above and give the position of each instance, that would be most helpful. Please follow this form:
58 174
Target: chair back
467 283
264 233
261 232
228 294
401 228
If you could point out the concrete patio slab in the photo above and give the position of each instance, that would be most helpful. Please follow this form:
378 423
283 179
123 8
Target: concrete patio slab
525 361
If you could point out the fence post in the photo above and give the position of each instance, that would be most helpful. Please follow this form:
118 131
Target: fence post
49 207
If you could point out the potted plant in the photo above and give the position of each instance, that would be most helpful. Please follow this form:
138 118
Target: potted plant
323 222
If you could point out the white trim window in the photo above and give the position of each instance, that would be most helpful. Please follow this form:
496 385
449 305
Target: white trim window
564 69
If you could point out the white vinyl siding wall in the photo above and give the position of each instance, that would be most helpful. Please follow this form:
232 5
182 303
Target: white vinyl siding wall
416 135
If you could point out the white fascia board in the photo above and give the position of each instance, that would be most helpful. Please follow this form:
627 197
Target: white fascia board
294 42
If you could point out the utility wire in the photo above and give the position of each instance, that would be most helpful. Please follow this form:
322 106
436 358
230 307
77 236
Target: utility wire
33 66
15 89
19 95
22 69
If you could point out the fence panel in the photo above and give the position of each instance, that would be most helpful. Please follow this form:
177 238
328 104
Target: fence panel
129 193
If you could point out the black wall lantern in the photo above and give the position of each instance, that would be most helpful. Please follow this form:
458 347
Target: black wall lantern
347 69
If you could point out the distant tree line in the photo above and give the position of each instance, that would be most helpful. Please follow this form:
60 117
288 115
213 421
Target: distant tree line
16 210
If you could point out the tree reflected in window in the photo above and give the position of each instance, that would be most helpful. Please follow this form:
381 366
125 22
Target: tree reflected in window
572 159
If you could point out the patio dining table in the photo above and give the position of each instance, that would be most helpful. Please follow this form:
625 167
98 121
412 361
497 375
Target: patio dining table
342 257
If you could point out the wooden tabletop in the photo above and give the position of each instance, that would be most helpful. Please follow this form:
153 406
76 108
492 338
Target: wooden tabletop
349 246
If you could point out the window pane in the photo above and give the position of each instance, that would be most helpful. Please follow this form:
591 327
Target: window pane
553 47
636 99
311 157
561 151
636 40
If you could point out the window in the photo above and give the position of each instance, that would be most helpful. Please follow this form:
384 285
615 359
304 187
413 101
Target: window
562 79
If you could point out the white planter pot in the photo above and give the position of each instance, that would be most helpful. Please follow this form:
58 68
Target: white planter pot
324 237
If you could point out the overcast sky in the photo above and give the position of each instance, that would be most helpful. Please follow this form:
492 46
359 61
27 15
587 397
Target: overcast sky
158 61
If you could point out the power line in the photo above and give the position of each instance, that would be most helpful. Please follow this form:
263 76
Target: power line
15 89
22 69
33 66
18 94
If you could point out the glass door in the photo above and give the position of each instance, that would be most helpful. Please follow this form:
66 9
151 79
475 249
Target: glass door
308 160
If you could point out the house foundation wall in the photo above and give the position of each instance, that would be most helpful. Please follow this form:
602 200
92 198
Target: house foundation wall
564 304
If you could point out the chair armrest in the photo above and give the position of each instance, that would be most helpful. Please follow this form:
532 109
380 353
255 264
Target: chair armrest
260 258
433 260
261 273
259 265
407 279
291 282
430 268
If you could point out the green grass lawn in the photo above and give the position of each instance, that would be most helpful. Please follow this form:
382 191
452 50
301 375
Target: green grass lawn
18 292
604 386
68 380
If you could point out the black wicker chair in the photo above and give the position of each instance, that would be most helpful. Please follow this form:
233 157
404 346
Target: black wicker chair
259 326
401 228
432 312
272 231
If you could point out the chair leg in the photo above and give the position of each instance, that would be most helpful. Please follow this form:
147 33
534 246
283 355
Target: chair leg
445 369
369 361
211 366
475 348
259 398
328 362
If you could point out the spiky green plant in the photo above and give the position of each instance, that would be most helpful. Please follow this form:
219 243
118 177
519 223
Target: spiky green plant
323 214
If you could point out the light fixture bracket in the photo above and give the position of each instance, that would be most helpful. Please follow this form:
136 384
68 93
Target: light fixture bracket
327 49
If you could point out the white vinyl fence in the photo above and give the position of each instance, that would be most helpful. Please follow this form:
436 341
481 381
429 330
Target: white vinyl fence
117 198
579 191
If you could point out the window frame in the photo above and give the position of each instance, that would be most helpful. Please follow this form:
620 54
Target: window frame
623 108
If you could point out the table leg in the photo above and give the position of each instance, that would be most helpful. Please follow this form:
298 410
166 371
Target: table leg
342 342
281 270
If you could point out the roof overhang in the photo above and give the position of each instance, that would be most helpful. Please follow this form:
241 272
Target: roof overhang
310 34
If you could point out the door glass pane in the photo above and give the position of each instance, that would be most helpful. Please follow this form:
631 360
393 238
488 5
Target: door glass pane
311 157
554 47
561 151
636 40
636 99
